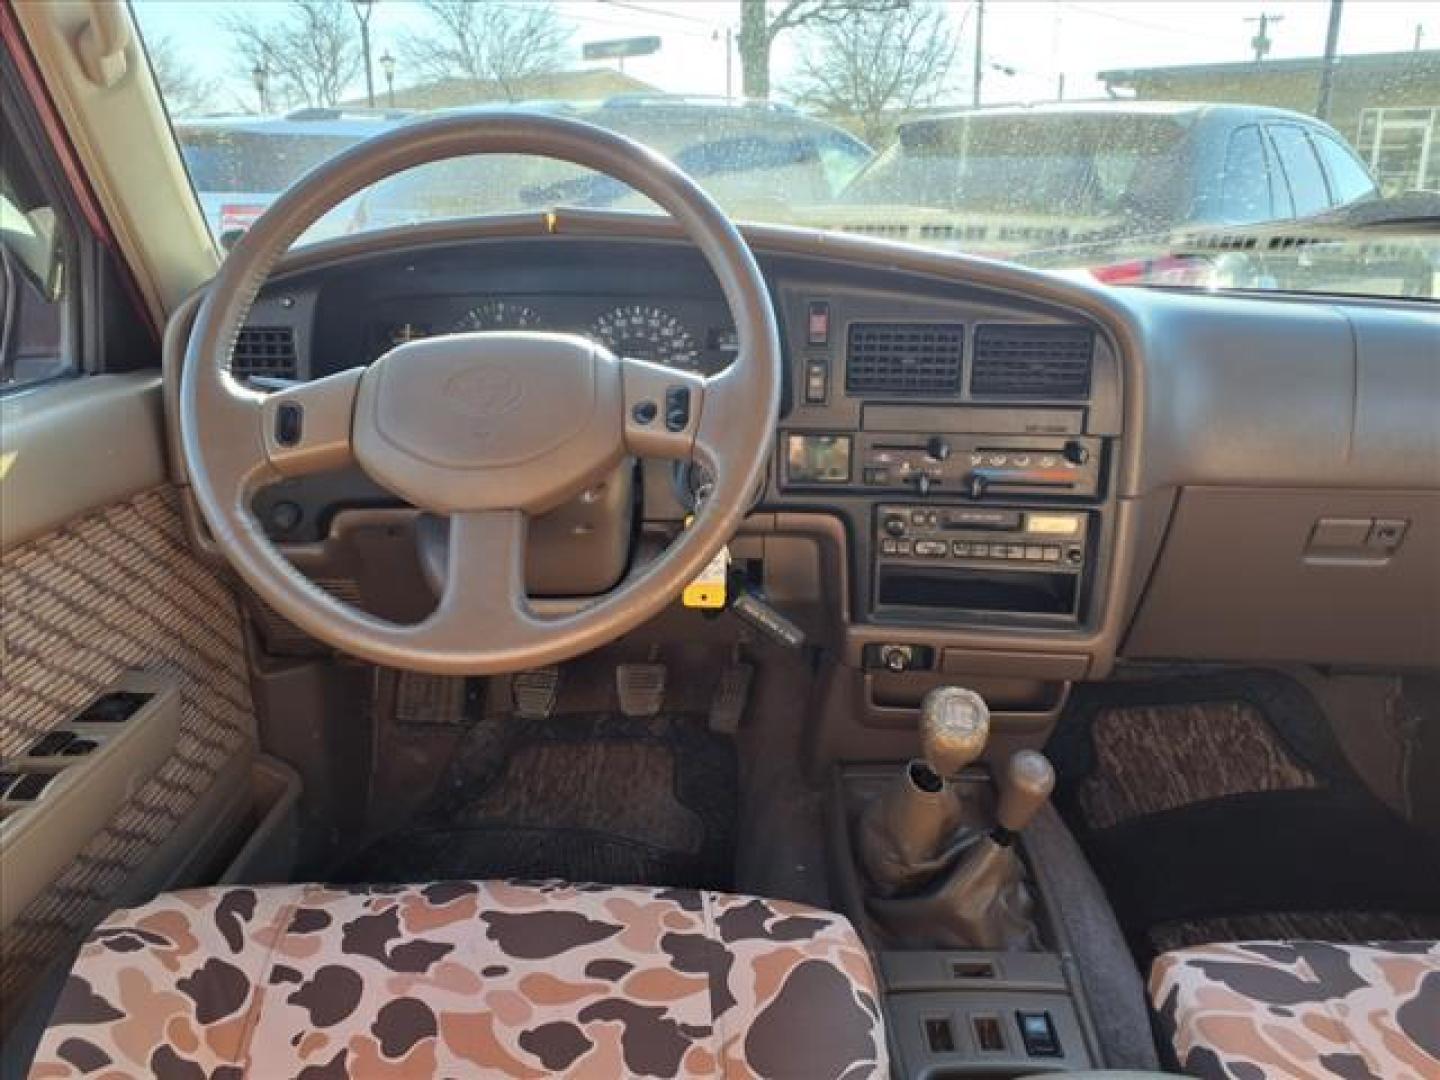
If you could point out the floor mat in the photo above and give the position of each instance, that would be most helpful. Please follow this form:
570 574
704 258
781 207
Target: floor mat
587 798
1221 808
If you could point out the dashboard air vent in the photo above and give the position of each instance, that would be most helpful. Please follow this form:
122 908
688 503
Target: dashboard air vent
264 351
904 358
1045 362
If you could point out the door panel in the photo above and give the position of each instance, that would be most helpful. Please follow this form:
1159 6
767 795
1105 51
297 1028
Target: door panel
111 590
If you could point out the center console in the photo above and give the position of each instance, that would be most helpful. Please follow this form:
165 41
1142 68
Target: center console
969 443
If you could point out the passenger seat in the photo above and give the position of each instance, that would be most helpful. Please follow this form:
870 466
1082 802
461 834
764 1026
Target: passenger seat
1302 1009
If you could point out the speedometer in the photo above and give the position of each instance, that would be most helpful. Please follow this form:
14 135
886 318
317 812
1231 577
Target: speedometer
498 315
645 332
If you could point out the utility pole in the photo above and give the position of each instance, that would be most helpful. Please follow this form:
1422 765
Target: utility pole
979 50
1327 66
1261 41
1419 35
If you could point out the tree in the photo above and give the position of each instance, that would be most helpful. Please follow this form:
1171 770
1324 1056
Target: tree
183 89
876 61
310 55
761 22
499 41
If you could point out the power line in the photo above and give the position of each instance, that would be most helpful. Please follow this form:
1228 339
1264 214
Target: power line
1159 27
643 10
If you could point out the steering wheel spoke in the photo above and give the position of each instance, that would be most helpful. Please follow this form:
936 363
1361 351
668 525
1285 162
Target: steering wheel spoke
663 407
483 597
306 428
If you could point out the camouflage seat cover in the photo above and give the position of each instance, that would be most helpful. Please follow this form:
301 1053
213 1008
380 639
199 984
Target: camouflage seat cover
1310 1009
463 979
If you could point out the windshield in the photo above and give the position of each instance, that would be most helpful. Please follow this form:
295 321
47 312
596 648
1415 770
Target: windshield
1170 143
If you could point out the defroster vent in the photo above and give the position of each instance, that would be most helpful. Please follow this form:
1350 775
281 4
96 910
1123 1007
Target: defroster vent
1041 362
265 351
904 358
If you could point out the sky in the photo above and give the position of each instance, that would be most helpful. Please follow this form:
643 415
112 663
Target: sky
1028 44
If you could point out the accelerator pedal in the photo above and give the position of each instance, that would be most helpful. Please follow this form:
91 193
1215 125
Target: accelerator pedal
732 694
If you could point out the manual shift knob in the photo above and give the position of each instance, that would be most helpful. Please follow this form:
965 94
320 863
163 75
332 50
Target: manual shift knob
1024 789
954 727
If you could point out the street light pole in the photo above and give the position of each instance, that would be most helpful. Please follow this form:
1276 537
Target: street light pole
387 65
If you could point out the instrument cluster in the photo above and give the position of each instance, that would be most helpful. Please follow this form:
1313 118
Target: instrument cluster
689 335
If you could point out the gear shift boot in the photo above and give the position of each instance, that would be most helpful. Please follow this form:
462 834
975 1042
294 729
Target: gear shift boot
982 903
907 833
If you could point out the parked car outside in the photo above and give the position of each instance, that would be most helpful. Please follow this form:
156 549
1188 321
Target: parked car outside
238 165
1107 185
747 155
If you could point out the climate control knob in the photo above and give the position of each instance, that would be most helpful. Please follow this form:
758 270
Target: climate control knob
895 525
937 448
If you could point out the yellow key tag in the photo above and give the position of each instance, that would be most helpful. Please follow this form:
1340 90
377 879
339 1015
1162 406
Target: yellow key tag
708 590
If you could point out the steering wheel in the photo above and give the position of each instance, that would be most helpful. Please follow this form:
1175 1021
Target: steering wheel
486 428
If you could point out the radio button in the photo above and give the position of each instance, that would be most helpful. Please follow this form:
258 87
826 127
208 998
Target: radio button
932 549
1052 553
960 549
1034 552
980 551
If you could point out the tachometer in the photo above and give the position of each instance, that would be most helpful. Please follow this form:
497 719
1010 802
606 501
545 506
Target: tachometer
646 332
498 315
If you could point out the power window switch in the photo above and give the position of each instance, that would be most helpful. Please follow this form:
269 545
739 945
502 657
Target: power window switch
1037 1032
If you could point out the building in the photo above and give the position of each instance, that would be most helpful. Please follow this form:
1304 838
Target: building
1386 104
588 84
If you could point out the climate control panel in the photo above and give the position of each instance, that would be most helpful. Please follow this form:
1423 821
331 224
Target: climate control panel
951 466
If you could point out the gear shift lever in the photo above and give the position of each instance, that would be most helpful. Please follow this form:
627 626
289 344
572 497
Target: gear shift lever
907 833
1025 787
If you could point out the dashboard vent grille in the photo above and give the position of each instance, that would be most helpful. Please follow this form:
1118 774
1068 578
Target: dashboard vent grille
264 351
904 358
1032 362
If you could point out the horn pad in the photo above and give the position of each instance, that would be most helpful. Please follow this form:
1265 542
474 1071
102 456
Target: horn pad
490 420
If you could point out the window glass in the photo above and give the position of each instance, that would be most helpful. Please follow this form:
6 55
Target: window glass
1348 178
1245 187
1139 141
34 271
1302 169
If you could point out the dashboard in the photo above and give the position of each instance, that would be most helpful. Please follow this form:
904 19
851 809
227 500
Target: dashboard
992 469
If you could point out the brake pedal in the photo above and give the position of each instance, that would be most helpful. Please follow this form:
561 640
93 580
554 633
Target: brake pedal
534 692
731 696
641 688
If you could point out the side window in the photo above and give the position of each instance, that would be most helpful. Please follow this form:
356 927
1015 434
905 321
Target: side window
1245 187
1349 179
35 269
1301 168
